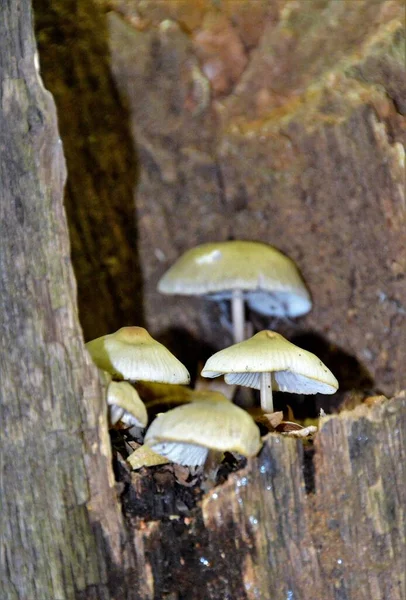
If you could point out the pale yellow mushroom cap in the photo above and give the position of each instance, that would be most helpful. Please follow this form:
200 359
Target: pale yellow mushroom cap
144 456
131 353
270 280
123 396
294 370
186 433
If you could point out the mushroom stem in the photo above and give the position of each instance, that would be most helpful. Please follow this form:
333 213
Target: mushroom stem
238 316
266 392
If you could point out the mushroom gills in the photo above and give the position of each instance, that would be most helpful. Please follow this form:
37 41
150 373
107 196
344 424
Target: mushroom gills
287 381
115 413
247 379
282 381
278 303
181 453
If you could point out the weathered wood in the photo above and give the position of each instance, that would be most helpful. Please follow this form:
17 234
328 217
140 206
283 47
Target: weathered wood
267 121
260 535
55 451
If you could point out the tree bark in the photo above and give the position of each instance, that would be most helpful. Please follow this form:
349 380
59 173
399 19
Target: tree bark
269 532
55 451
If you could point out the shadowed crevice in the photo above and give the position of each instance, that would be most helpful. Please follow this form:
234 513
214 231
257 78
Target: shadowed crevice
101 160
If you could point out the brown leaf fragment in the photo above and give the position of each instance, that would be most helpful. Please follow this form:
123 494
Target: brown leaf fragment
130 446
183 475
303 432
274 418
270 420
288 426
163 479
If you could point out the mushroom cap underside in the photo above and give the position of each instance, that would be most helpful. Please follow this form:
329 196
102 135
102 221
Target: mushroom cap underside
218 425
270 280
294 369
122 395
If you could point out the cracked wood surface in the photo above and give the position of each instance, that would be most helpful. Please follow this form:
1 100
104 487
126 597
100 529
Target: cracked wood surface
57 490
260 536
62 534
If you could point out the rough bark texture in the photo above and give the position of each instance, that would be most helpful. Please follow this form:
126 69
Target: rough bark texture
282 122
55 452
260 535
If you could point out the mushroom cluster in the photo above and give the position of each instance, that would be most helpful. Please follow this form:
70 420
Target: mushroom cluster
132 354
208 422
203 425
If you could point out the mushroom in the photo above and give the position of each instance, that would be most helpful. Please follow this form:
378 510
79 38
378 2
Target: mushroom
125 405
240 270
267 362
131 353
186 434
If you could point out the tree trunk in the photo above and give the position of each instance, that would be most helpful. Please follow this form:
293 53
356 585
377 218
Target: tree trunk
61 524
279 529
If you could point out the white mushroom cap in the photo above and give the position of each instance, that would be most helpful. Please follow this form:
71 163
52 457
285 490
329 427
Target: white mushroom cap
131 353
126 405
270 280
293 369
185 434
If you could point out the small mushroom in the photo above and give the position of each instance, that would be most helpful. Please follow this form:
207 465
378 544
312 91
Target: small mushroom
131 353
185 434
240 271
267 362
125 405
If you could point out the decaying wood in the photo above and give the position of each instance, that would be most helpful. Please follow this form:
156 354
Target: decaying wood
250 120
284 123
261 536
57 490
268 533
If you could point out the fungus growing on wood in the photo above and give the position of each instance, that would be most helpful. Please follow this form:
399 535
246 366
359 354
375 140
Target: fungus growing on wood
131 353
186 434
240 271
125 405
267 362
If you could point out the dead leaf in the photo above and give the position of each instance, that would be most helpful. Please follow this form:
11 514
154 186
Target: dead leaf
303 432
274 418
182 475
